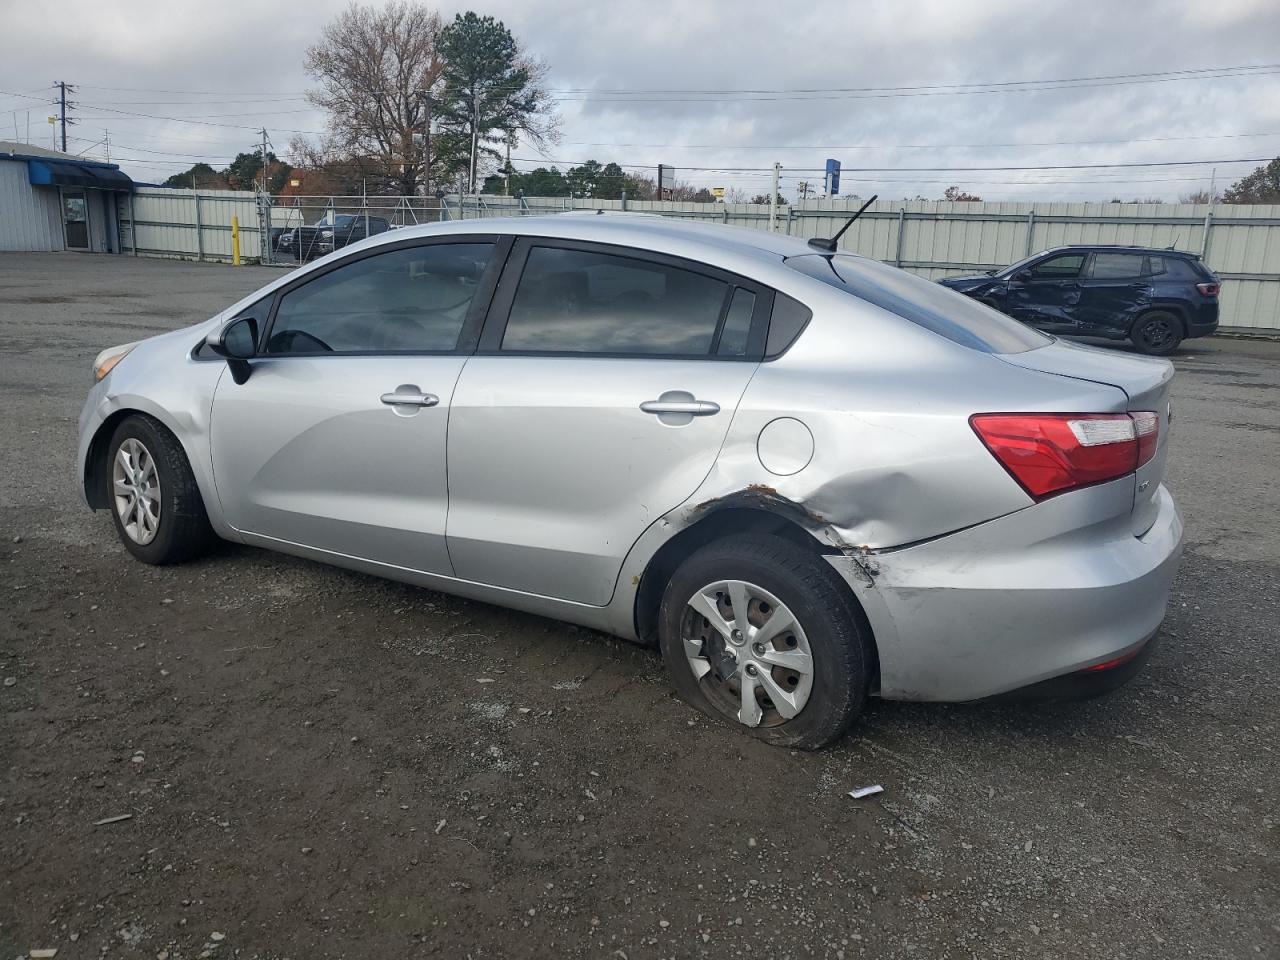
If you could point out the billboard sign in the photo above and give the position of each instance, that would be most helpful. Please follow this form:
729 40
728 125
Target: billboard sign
833 178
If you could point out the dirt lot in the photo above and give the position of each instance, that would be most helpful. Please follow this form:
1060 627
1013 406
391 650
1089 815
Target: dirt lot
319 764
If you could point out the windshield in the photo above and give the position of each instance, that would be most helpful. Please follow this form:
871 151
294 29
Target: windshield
930 305
343 220
1013 268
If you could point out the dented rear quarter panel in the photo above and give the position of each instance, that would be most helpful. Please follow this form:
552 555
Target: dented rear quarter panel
888 404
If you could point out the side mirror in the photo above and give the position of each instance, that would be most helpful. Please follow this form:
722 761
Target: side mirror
237 342
1022 276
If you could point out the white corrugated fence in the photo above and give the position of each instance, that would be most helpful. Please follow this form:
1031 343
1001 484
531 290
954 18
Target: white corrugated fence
932 238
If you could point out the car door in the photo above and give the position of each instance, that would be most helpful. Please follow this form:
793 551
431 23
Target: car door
337 440
603 388
1046 293
1113 288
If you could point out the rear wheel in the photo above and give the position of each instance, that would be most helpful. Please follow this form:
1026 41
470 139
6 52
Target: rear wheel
1157 333
155 503
758 631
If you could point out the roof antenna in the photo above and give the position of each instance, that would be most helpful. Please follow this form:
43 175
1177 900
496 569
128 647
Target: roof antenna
829 246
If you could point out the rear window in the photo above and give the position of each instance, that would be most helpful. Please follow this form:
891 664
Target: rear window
945 312
1179 269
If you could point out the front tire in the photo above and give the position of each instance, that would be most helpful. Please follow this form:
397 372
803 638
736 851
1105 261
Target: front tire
154 501
760 632
1157 334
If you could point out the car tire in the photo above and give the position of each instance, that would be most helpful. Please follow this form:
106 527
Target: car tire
1157 333
782 579
146 463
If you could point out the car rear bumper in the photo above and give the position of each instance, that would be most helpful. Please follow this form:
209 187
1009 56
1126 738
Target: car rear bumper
1035 595
1203 321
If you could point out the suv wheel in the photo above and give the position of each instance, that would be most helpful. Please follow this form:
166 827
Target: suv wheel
1157 333
758 631
155 503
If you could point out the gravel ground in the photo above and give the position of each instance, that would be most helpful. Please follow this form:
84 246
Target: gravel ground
320 764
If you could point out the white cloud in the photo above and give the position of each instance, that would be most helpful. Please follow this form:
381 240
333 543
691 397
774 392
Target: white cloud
253 49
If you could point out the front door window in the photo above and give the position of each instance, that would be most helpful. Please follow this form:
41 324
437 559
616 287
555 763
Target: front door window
75 219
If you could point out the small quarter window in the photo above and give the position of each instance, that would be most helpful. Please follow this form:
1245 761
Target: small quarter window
789 317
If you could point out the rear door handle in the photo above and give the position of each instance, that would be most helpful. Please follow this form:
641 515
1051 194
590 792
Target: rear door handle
410 399
694 408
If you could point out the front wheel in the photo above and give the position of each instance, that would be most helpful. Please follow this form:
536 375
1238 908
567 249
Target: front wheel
760 632
1157 333
155 503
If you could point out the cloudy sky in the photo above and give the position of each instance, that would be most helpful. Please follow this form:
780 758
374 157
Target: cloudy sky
219 71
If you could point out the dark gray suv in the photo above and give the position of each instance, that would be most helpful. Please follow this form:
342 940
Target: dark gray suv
1154 298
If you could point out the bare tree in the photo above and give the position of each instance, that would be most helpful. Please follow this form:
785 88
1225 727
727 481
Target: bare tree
376 68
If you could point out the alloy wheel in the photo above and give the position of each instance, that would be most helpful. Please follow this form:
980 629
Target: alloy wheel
135 486
1156 334
748 651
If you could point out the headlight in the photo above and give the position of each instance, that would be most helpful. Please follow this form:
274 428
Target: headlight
326 233
107 359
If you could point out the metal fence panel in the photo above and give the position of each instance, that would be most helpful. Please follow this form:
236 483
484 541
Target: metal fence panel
190 224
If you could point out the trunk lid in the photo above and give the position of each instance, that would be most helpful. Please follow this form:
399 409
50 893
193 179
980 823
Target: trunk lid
1144 380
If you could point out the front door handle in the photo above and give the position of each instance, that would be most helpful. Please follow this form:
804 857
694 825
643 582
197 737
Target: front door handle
407 395
694 408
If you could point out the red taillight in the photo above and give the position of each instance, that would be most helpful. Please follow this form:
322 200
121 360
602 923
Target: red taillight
1050 453
1209 289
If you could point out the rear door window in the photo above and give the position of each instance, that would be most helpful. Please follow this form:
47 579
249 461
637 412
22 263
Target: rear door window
588 302
1116 266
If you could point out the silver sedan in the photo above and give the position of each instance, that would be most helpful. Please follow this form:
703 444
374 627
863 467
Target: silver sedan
808 477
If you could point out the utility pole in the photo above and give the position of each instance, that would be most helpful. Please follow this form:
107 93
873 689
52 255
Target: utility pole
773 199
426 141
264 210
264 160
475 131
106 144
62 112
506 172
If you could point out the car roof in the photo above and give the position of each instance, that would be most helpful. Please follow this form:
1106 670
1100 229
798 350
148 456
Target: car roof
1124 248
640 230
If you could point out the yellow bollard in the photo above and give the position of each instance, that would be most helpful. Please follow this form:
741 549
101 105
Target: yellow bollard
235 241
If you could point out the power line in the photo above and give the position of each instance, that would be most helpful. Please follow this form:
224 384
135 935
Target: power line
913 146
938 89
1159 75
